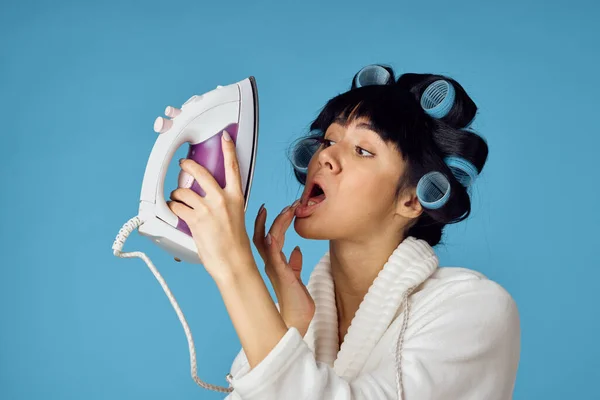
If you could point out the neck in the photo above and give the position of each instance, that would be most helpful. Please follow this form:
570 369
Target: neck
354 267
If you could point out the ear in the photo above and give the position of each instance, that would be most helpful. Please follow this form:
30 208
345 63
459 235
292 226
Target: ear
408 204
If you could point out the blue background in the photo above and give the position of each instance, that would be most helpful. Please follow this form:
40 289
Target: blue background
80 87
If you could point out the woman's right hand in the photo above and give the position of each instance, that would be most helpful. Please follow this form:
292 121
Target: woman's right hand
296 305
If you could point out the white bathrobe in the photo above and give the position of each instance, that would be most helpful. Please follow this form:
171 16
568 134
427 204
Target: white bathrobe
460 339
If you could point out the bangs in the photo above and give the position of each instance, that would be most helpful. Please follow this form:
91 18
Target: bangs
393 114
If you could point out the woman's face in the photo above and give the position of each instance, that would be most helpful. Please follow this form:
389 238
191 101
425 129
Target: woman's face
358 172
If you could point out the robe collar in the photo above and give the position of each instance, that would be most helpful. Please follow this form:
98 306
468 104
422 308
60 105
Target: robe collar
409 265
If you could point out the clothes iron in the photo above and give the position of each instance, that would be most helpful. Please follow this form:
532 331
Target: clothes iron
199 122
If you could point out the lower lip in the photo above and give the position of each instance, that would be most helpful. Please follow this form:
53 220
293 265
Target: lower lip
307 211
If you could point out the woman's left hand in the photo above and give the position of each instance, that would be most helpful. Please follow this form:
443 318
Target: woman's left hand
217 220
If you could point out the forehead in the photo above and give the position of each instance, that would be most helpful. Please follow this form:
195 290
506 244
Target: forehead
360 123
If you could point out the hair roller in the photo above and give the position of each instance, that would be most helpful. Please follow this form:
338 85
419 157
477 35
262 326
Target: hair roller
373 74
433 190
463 170
437 100
302 153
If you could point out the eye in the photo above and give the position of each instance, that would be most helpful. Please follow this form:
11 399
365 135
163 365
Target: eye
326 143
370 154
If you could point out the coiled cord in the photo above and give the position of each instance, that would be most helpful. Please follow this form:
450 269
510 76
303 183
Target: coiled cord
117 246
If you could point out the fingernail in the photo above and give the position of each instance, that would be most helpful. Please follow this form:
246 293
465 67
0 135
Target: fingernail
285 209
181 160
296 203
185 180
262 207
226 136
269 239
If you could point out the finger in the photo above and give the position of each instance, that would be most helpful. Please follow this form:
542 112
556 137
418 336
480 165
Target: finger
282 222
182 211
278 261
233 180
296 262
274 252
201 175
189 197
259 232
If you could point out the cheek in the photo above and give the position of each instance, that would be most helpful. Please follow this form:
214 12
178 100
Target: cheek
369 197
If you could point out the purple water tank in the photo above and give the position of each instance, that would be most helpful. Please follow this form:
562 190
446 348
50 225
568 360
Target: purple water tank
209 154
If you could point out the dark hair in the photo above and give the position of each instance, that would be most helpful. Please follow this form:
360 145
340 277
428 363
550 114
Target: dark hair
395 111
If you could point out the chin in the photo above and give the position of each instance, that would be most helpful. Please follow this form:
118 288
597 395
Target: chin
310 228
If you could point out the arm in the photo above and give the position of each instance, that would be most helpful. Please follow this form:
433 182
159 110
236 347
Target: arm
461 344
255 317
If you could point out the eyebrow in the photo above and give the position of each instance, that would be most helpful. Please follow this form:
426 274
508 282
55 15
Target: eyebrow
365 125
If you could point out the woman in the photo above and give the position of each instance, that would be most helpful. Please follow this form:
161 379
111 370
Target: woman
378 319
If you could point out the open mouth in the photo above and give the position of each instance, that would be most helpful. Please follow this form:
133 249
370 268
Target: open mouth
315 198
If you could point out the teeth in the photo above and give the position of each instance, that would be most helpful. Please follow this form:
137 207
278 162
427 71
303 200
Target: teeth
311 203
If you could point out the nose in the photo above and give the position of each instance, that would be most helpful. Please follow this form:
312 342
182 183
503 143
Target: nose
326 158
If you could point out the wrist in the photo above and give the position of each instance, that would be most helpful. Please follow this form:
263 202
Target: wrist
300 325
238 269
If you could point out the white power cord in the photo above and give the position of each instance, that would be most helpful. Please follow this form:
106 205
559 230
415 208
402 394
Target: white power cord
124 232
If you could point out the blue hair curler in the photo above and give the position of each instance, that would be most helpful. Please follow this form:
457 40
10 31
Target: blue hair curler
372 75
437 100
463 170
433 190
303 152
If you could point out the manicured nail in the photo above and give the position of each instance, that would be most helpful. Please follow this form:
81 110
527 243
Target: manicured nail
226 136
296 203
285 209
269 239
